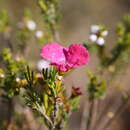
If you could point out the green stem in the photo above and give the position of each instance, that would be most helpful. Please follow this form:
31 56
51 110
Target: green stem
42 111
10 112
55 33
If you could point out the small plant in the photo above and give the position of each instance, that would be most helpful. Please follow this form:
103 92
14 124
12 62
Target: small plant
110 66
40 85
11 78
46 93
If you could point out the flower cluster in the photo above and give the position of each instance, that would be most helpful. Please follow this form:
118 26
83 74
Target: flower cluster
97 34
65 58
31 26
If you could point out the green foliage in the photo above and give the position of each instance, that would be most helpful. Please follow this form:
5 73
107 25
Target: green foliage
50 10
10 86
75 103
23 34
12 65
46 95
117 59
4 21
119 55
12 74
96 88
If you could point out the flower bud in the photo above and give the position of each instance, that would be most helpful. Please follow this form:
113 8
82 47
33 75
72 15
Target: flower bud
59 78
93 38
100 41
2 75
76 91
43 64
94 29
17 79
31 25
39 34
17 58
104 33
110 114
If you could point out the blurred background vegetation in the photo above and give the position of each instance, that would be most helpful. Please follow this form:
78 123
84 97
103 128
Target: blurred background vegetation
77 16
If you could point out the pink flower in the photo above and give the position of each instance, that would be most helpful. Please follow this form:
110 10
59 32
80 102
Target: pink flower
77 55
54 53
65 58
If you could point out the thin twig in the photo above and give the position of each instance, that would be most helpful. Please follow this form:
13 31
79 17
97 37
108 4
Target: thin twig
94 114
108 120
10 112
91 103
101 114
84 116
55 33
42 111
117 114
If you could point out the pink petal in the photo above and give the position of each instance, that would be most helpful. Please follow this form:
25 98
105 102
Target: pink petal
77 55
62 67
54 53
